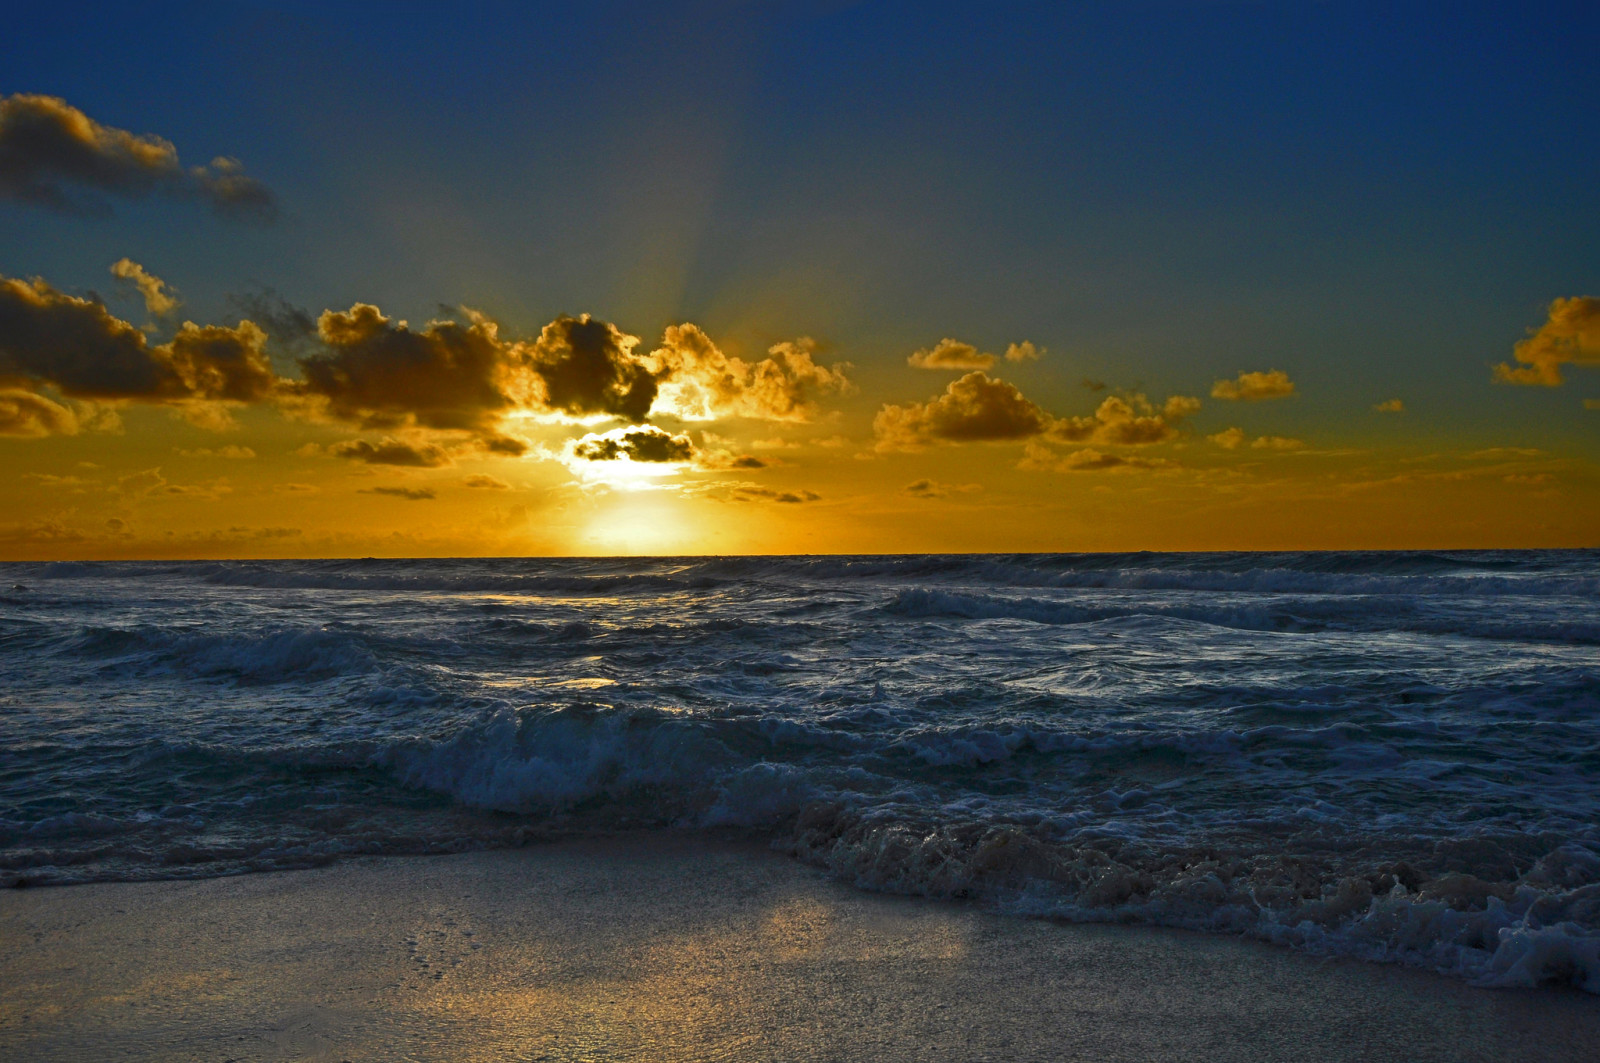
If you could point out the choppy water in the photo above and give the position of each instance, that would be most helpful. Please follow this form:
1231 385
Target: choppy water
1392 755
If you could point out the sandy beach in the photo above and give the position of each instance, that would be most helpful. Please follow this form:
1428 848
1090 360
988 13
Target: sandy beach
658 947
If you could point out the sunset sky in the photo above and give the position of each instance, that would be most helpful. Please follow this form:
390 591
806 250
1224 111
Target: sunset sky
327 280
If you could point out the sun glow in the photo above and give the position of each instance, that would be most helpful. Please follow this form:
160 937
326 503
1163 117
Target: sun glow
639 524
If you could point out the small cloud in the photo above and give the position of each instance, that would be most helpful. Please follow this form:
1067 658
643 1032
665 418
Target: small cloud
1273 384
28 415
1129 421
158 298
234 453
388 451
774 443
935 489
1390 406
1229 438
1504 453
1527 478
950 354
642 443
413 494
1042 458
488 483
1591 404
294 488
1276 443
1023 352
831 442
1091 384
752 493
1569 336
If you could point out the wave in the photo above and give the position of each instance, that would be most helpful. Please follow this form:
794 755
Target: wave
1286 614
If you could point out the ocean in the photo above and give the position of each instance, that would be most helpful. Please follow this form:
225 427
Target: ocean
1389 755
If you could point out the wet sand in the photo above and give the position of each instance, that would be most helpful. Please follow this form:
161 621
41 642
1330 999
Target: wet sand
664 948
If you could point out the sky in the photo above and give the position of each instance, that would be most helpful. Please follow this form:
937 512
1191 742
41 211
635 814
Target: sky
332 280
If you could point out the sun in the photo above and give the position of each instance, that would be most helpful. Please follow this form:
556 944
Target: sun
639 523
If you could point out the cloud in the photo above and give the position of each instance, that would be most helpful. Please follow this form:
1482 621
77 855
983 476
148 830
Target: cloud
587 367
974 408
285 324
1091 384
378 373
1230 438
157 299
645 443
1129 421
935 489
1390 406
1569 336
752 493
950 354
28 415
1273 384
82 349
1086 460
390 451
413 494
52 154
1234 438
699 382
1023 352
488 483
1591 404
235 453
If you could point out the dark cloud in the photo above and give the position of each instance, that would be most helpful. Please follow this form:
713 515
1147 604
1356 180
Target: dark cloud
644 443
379 373
488 483
82 349
413 494
287 325
28 415
1569 336
935 489
974 408
54 156
1086 460
392 452
588 367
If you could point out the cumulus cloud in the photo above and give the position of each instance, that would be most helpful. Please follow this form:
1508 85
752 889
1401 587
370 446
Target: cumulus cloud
54 156
412 494
1023 352
158 298
83 350
1390 406
389 451
644 443
1272 384
950 354
700 382
1234 438
1569 336
28 415
1129 421
975 408
585 366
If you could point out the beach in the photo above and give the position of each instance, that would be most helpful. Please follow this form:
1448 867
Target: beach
666 947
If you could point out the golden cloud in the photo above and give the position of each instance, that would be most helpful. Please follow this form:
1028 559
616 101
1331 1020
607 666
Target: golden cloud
389 451
1272 384
1390 406
1569 336
51 153
1042 458
975 408
701 383
950 354
1126 421
158 300
28 415
1023 352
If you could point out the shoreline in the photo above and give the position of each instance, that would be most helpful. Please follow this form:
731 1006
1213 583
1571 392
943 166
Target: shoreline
664 947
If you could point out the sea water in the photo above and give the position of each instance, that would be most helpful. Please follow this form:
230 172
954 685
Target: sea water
1387 755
